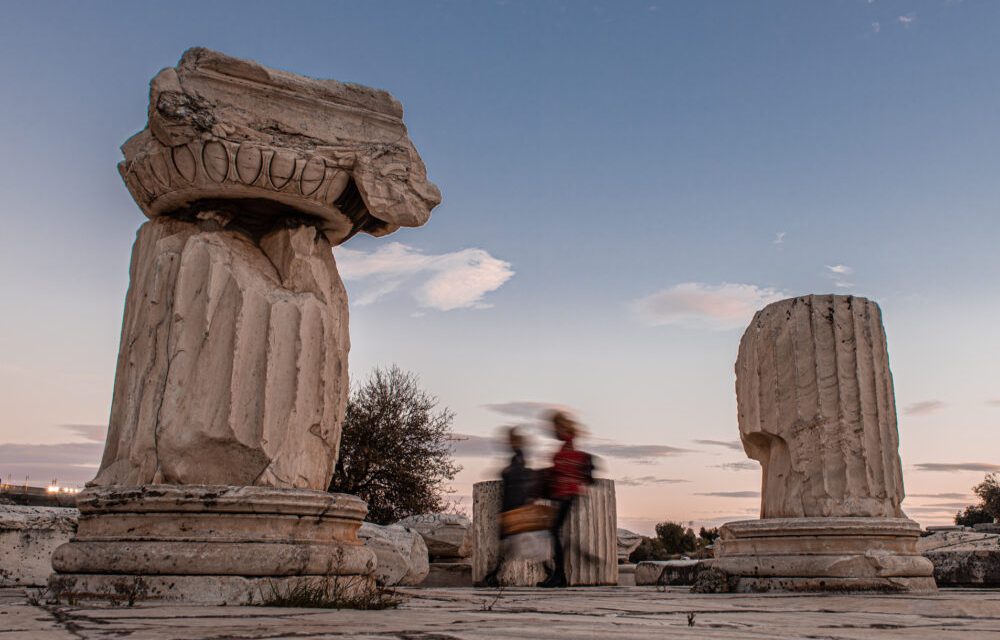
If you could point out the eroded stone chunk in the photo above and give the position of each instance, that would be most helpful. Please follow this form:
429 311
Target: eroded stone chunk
817 409
447 535
233 361
225 129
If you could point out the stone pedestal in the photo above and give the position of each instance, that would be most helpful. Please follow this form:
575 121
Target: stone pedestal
817 409
210 544
28 536
589 537
823 554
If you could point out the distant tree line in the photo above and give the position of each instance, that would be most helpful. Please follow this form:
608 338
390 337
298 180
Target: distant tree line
672 540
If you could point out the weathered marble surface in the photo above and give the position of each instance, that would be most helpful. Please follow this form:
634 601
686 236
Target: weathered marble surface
589 534
28 536
233 361
816 408
595 613
447 535
401 554
221 128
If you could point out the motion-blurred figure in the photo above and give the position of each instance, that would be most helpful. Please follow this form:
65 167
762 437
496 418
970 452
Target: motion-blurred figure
571 471
519 488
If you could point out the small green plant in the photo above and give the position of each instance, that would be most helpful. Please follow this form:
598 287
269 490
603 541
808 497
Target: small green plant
329 592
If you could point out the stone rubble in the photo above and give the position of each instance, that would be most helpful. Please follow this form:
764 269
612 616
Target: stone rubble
401 554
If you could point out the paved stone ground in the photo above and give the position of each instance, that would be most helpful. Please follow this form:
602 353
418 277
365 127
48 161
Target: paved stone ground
523 614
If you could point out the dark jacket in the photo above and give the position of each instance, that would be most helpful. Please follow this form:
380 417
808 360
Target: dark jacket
518 483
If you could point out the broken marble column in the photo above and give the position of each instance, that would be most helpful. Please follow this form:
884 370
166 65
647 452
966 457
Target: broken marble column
231 380
816 408
589 537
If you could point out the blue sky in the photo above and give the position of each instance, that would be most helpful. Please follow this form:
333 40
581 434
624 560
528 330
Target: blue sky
591 156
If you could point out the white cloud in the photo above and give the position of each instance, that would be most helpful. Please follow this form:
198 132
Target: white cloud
779 237
837 273
908 19
456 280
876 27
840 269
697 304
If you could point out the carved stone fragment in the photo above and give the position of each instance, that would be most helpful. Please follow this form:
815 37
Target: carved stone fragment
221 128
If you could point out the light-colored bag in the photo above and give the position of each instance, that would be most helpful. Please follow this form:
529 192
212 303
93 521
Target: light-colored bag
533 546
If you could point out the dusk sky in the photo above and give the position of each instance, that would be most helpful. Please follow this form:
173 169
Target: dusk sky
624 184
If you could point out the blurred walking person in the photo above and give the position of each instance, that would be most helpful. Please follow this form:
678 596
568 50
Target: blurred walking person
571 471
519 488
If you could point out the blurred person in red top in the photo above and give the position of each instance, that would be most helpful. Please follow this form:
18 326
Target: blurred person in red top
568 477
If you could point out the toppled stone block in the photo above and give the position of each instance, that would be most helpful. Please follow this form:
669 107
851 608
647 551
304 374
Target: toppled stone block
28 537
628 542
966 558
448 575
667 572
966 567
401 554
447 535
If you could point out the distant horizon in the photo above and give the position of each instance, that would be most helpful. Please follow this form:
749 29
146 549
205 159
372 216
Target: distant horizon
624 184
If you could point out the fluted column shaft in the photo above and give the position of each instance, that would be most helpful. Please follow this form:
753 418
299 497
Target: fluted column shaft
816 408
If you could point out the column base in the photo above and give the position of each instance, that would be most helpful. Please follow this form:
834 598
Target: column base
210 543
823 554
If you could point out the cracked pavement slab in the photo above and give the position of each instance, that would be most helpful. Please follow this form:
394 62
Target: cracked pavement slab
467 614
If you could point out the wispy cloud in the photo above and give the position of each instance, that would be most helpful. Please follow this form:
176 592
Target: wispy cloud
876 27
731 494
993 402
907 20
636 451
628 481
742 465
92 432
779 238
713 306
942 496
464 445
729 444
958 466
69 462
945 505
527 408
448 281
924 408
